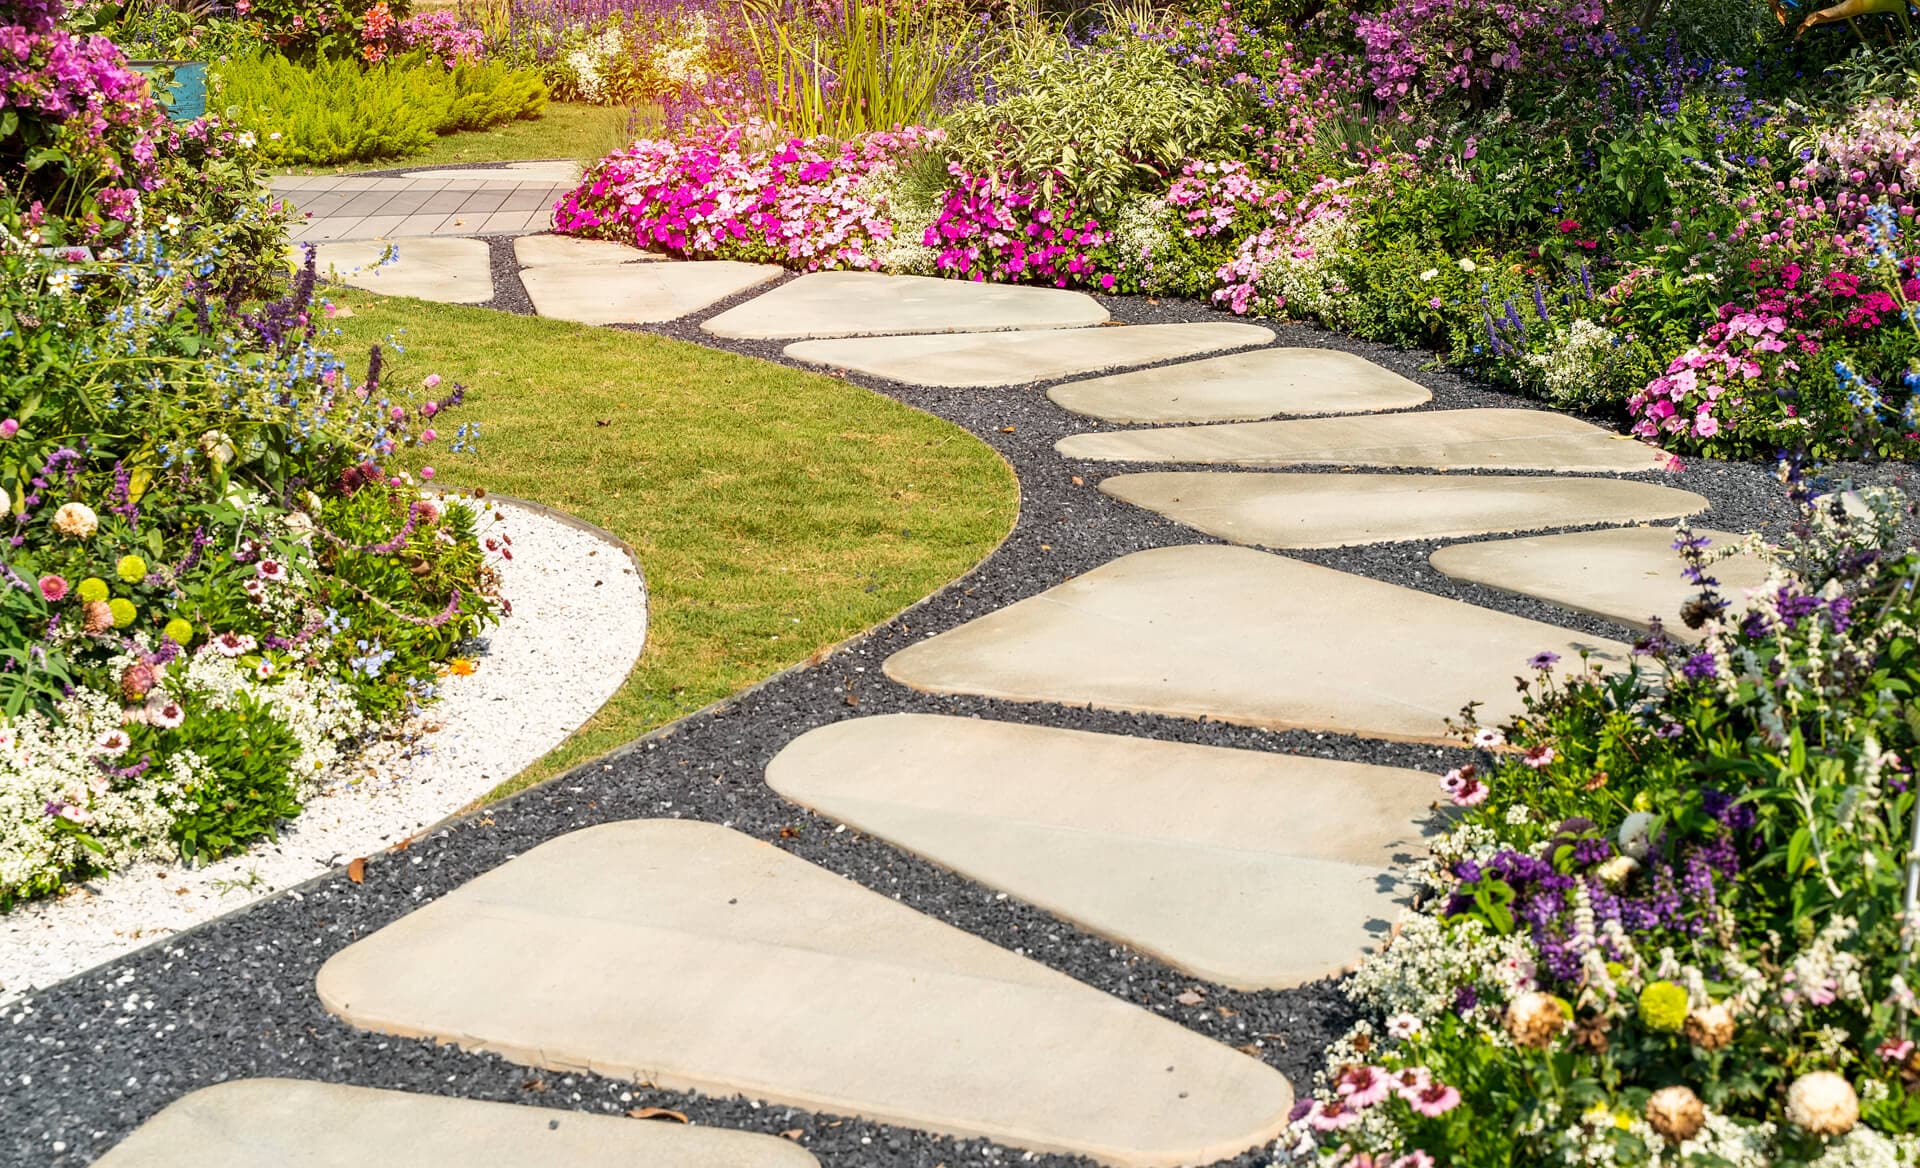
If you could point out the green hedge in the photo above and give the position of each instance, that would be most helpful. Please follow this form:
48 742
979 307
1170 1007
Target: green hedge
342 111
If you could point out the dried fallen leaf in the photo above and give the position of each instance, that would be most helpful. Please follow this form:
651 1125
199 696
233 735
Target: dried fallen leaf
1078 481
1007 430
357 871
537 1086
1191 998
657 1113
603 421
789 833
793 1133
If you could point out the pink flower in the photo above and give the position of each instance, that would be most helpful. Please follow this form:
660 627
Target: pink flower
53 588
1470 793
1539 756
1363 1086
9 428
428 435
1411 1081
272 571
1413 1159
432 381
1332 1115
1895 1050
1435 1100
426 472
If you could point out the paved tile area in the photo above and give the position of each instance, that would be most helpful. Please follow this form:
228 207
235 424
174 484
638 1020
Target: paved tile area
1437 440
1244 386
696 957
1249 637
286 1123
449 269
1258 871
457 202
868 304
1627 575
977 360
1326 510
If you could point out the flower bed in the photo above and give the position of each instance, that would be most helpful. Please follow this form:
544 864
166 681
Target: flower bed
210 583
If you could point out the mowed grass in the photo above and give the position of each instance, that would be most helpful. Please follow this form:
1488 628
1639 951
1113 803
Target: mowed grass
564 130
775 512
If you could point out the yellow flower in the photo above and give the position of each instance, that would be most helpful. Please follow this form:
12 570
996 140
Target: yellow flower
178 631
460 667
1663 1006
92 589
123 611
132 569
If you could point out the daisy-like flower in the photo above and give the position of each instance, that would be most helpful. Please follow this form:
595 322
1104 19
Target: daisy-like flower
255 590
1470 793
1403 1026
1543 660
1363 1086
164 712
1539 756
1332 1115
1489 739
233 644
1435 1100
113 743
272 571
53 589
263 670
1417 1158
1458 778
1408 1082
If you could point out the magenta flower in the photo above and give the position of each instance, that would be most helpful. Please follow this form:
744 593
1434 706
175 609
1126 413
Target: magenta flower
1363 1086
1435 1100
1332 1115
53 588
9 428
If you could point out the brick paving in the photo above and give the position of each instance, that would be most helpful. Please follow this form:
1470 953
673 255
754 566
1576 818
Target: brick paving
470 202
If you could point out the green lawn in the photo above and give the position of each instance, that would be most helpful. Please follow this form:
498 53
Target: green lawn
775 512
568 130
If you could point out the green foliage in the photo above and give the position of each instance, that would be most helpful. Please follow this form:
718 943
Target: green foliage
1091 123
342 111
874 67
248 789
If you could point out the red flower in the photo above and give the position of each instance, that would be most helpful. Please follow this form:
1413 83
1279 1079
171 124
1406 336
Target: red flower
1569 226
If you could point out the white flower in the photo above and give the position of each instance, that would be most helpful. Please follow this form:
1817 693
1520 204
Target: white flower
263 670
1489 739
217 447
1633 834
1403 1026
1822 1103
232 644
1429 274
164 712
1469 266
272 571
76 519
1617 870
113 743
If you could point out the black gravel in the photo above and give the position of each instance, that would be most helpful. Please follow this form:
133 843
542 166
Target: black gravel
83 1063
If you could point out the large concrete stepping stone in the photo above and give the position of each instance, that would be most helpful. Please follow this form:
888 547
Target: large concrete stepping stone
548 251
1439 439
693 957
1243 386
1246 636
1258 871
286 1123
869 304
1341 510
1627 575
601 293
449 269
1015 358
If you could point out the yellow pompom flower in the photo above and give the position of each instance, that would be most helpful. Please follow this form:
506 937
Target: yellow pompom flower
123 611
92 589
178 631
1663 1006
132 569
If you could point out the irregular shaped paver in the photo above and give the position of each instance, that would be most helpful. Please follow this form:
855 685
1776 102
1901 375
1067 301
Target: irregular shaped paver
1016 358
1628 575
1244 385
286 1123
1246 636
1438 439
449 269
1259 871
1339 510
869 304
694 957
638 293
547 251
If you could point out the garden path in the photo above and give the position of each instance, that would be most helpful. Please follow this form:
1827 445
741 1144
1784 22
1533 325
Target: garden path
692 956
449 201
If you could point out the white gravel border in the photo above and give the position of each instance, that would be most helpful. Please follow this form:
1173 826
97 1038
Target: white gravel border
579 622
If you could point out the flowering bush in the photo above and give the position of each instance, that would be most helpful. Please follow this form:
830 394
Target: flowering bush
1437 51
1666 927
812 204
1002 229
442 35
337 29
